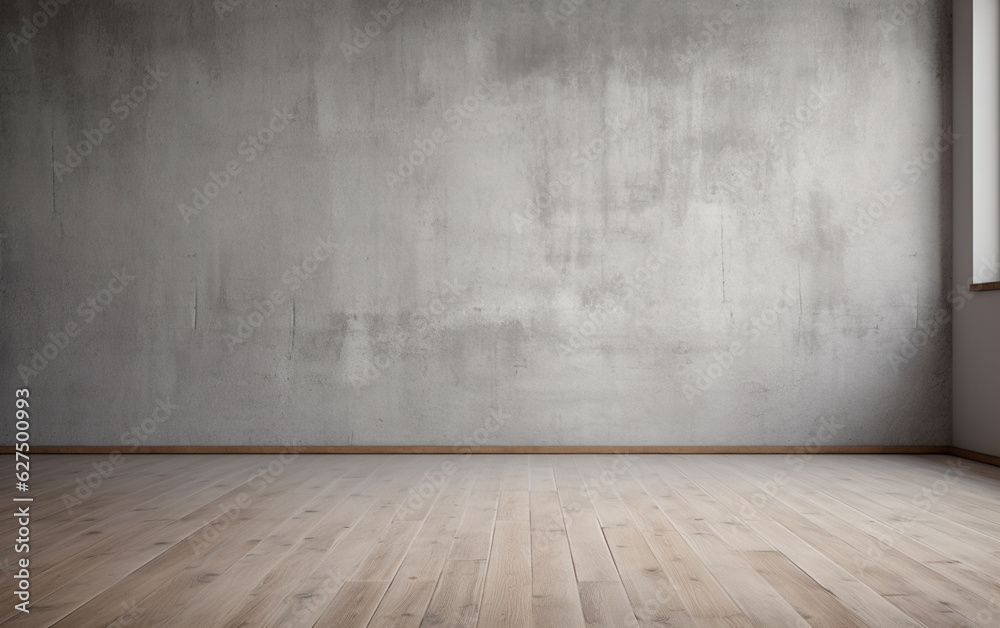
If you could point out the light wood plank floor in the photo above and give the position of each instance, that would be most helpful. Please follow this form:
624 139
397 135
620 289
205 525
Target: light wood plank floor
510 540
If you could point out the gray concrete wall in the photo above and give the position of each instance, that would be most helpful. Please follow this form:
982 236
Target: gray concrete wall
609 222
977 317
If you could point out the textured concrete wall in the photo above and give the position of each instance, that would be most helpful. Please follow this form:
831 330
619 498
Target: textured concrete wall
601 222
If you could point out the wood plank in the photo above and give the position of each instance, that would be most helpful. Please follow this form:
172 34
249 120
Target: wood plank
247 573
84 539
409 595
601 477
427 554
404 604
726 524
353 605
513 506
606 605
475 532
555 599
515 474
831 535
211 550
859 598
507 592
702 595
456 601
654 600
156 559
306 598
388 552
542 474
815 603
310 559
761 604
588 547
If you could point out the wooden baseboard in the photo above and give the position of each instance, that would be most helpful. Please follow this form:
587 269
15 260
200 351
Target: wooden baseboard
486 449
974 455
514 449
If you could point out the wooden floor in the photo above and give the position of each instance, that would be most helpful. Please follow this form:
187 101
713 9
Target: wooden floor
511 540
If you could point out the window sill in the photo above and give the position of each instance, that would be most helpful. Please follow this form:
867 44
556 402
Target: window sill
985 287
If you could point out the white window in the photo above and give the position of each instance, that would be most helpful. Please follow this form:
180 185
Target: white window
986 140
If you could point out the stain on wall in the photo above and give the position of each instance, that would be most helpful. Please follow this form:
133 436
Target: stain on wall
608 222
